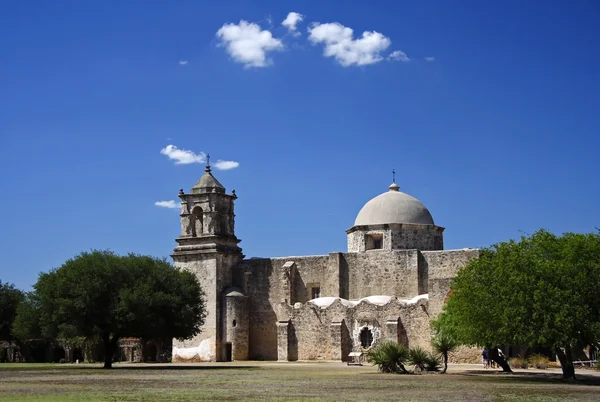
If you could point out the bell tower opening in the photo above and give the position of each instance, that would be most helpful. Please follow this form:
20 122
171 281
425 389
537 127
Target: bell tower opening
198 220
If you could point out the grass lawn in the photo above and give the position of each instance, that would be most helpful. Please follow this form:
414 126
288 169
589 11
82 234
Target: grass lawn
281 381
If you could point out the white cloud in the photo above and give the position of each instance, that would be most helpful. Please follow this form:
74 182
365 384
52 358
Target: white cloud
226 165
430 58
291 21
183 62
398 55
347 51
248 43
183 156
166 204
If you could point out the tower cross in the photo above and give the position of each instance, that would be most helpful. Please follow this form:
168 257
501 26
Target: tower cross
393 176
207 159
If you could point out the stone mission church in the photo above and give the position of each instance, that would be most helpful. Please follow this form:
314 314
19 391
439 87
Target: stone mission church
390 284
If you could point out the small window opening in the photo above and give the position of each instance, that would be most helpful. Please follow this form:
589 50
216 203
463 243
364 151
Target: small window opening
315 292
377 243
374 242
366 337
234 323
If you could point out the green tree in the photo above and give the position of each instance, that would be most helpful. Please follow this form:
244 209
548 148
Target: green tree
27 321
444 345
10 299
101 294
539 291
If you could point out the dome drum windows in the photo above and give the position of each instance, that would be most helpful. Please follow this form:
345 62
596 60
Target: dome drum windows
374 241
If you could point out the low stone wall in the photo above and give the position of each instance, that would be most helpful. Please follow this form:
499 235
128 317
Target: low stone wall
321 331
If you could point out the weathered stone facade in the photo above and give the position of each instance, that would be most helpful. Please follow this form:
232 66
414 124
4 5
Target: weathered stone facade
389 285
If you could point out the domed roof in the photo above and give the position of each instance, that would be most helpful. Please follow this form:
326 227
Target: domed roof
393 207
207 184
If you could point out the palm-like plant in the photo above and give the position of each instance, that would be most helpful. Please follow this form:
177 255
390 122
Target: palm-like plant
390 357
418 357
444 345
433 362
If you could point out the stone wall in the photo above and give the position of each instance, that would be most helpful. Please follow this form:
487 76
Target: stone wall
441 267
421 237
236 325
380 272
203 346
271 284
331 332
213 271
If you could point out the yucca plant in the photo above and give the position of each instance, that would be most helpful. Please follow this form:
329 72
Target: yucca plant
432 363
418 357
444 345
389 357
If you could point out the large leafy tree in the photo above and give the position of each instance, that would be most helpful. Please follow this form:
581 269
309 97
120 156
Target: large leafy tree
102 295
539 291
10 299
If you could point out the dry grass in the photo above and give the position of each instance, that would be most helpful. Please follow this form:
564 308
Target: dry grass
284 381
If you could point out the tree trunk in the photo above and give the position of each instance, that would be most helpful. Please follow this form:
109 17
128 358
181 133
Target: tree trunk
493 355
445 359
566 362
110 345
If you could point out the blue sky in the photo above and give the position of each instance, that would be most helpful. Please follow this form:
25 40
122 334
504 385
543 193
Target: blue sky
493 122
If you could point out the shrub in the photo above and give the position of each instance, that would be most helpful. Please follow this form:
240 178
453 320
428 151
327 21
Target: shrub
418 357
389 357
433 363
517 362
444 345
61 361
539 361
598 364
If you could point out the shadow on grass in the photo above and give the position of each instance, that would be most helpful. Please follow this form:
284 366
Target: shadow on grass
555 378
166 367
118 367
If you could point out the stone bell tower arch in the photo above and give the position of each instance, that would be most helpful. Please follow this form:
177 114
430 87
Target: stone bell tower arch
208 247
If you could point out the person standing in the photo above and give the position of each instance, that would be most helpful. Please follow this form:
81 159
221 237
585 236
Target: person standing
484 358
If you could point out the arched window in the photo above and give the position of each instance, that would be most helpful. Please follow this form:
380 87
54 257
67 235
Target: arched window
198 220
366 337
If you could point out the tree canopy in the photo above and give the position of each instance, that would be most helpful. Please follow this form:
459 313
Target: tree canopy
539 291
102 295
10 298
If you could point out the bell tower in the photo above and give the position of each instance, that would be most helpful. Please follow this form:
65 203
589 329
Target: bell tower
208 247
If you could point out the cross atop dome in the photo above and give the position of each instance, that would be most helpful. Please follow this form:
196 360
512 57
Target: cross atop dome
394 186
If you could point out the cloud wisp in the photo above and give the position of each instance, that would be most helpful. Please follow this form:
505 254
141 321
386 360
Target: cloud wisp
226 165
398 55
183 62
167 204
430 58
339 43
183 156
291 21
186 157
248 43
